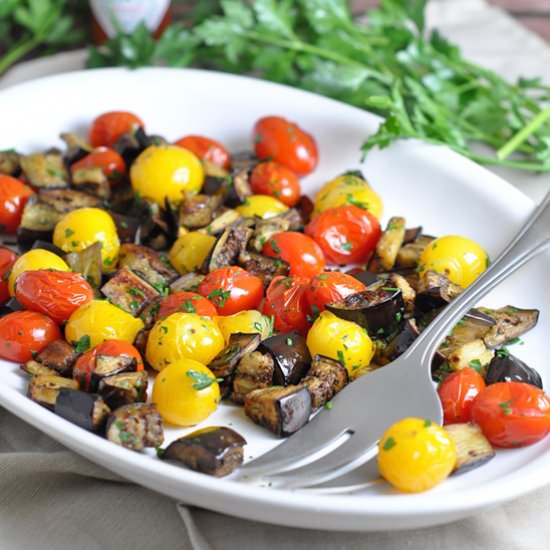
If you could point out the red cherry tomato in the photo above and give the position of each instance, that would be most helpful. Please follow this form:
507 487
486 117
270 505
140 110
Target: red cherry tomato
331 286
56 294
107 128
301 252
457 393
512 414
108 160
186 302
24 333
346 234
277 139
85 364
7 259
14 194
232 289
206 149
286 301
272 178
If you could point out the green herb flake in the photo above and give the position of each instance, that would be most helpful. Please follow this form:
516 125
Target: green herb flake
69 232
200 379
275 246
188 307
346 247
475 364
341 358
427 423
390 288
83 344
350 199
162 288
328 405
505 407
134 304
133 291
258 326
389 444
219 296
289 341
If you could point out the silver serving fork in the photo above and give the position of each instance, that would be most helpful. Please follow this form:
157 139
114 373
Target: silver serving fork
339 440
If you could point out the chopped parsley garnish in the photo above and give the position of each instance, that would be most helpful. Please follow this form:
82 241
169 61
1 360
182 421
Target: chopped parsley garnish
516 340
220 296
289 341
123 224
328 405
164 329
389 444
502 352
323 276
275 246
134 304
427 423
133 291
108 261
399 316
270 325
258 326
390 288
350 199
83 344
201 380
347 247
505 407
475 364
69 232
188 307
341 358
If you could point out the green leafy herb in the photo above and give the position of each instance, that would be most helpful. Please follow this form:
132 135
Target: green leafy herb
328 405
390 288
341 358
69 232
188 307
502 352
399 316
289 341
427 423
134 304
505 407
162 288
133 291
83 344
475 364
347 246
201 380
219 296
258 326
516 340
274 246
353 201
389 444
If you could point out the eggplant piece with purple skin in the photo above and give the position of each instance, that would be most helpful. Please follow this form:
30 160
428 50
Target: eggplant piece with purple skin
324 380
254 371
34 368
379 311
197 211
105 366
505 367
123 388
148 264
282 410
215 451
229 245
264 267
87 410
44 388
240 189
368 278
60 356
401 341
290 355
189 281
434 291
135 426
510 323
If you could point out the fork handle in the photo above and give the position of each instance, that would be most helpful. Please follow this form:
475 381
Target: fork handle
532 239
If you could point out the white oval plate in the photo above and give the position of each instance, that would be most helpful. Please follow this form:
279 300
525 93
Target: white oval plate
431 186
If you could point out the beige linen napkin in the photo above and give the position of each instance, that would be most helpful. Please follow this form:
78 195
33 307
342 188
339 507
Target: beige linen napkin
53 499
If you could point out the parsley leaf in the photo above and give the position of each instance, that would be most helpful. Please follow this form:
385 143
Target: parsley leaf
83 344
201 380
219 296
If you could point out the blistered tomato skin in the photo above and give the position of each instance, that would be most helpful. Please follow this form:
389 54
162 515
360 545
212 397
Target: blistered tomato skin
7 259
329 287
81 228
14 195
274 179
457 393
186 302
110 162
346 234
247 322
166 172
100 320
56 294
183 336
342 340
512 414
108 127
24 333
186 393
206 149
415 455
262 206
302 253
461 259
34 259
190 251
278 139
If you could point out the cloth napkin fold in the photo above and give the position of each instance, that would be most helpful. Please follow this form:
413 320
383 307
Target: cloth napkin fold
53 499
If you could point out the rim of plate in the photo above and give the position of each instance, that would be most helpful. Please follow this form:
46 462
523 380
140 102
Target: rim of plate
395 505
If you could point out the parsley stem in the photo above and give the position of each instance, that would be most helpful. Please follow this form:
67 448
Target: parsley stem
18 51
516 140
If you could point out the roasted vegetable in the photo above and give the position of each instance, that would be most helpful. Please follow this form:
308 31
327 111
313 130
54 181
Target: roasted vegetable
240 189
254 371
9 163
189 281
86 410
60 356
472 354
124 388
88 263
434 291
229 245
262 266
412 234
324 380
34 368
511 322
93 181
198 210
388 246
45 171
282 410
136 426
103 367
289 220
131 144
409 294
155 268
401 341
129 292
409 254
472 447
366 277
221 222
505 367
76 147
215 450
44 389
291 356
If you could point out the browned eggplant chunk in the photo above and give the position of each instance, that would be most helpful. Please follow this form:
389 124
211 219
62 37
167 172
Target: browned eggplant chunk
9 163
76 147
388 245
402 340
148 264
411 234
505 367
198 210
229 245
136 426
409 294
129 292
44 389
254 371
472 447
88 263
240 189
92 180
289 220
124 388
366 277
282 410
221 222
324 380
60 356
410 253
104 366
189 281
379 311
45 171
263 266
36 369
291 356
434 291
215 450
511 322
86 410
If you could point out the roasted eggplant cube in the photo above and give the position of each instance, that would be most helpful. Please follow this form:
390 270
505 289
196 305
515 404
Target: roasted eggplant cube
92 180
147 264
368 278
103 367
324 380
254 371
402 340
388 245
229 245
36 369
86 410
265 229
198 210
282 410
136 426
221 222
505 367
189 281
240 189
511 322
434 291
45 171
88 263
60 356
409 254
291 356
472 447
129 292
215 451
124 388
472 354
44 389
264 267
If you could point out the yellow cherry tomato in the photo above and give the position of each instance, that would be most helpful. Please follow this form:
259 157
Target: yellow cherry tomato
100 320
183 336
415 455
81 228
190 250
32 260
186 392
345 190
166 171
262 206
247 322
460 259
342 340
